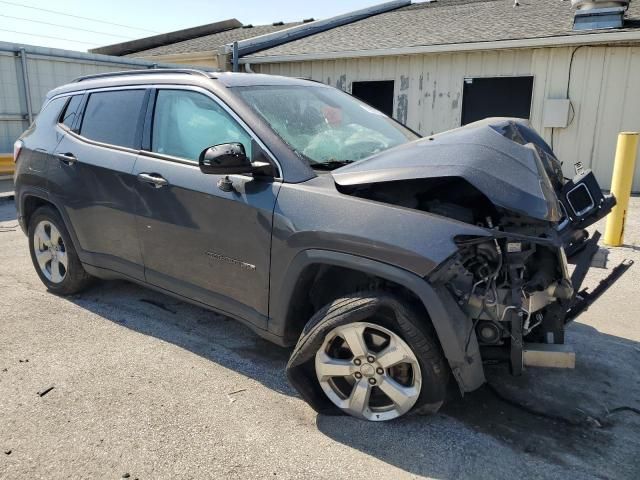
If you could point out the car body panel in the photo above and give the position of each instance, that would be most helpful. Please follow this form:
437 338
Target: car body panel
205 243
506 172
97 194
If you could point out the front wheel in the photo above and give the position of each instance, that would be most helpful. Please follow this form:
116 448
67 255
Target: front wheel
373 356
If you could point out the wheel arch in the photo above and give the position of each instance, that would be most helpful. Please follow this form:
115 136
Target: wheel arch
30 200
289 308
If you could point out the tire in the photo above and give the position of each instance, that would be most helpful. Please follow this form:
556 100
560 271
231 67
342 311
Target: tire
53 254
377 315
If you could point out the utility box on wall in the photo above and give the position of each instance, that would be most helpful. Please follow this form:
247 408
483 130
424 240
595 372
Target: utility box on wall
556 113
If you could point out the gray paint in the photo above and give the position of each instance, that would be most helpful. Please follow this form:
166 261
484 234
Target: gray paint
507 173
191 239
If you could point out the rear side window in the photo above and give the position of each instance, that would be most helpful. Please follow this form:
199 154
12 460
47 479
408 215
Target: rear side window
112 117
69 114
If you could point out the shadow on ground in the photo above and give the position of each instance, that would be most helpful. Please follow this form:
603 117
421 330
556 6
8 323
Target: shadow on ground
563 417
8 212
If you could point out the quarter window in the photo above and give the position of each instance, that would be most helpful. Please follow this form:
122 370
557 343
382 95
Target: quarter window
185 123
113 117
69 114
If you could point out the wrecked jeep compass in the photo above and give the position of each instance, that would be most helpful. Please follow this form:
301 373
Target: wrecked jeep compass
393 263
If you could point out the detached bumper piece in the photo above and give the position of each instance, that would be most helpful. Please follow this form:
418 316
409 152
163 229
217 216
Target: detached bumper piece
584 298
548 356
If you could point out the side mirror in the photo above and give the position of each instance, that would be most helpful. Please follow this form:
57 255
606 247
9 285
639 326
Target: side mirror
225 159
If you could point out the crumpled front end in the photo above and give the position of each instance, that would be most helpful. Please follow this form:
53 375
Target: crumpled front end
515 283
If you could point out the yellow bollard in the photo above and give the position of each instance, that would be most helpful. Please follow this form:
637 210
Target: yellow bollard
621 187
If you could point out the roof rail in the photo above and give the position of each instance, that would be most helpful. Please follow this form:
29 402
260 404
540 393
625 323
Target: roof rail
150 71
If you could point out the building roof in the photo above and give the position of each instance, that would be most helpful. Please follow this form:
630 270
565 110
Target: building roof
214 41
446 22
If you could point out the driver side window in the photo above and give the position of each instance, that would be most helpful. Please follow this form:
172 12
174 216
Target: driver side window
187 122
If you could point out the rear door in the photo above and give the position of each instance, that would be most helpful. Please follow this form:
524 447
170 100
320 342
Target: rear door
197 239
92 177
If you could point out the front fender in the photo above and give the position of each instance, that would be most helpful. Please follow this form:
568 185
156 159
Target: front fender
451 325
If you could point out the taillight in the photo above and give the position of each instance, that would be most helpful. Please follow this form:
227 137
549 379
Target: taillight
17 147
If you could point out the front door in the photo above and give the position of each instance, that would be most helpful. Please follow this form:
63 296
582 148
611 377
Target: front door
197 239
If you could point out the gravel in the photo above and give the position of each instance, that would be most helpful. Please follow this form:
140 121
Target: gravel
147 385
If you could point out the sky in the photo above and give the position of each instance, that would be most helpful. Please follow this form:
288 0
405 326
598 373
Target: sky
37 22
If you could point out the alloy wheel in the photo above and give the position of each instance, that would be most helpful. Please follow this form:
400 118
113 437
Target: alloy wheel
368 371
50 251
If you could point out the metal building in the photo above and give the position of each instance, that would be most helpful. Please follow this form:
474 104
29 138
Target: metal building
574 72
27 73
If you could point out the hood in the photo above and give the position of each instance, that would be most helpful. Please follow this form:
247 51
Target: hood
505 159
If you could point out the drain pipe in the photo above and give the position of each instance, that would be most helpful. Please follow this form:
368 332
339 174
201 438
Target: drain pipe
247 68
235 56
27 86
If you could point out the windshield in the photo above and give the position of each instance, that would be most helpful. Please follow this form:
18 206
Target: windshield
326 126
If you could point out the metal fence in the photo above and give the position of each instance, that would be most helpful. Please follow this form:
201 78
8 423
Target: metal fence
27 73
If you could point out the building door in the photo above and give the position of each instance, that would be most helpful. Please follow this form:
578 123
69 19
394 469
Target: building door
377 94
496 97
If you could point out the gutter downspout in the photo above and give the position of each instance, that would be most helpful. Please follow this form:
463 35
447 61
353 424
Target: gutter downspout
247 68
25 81
235 58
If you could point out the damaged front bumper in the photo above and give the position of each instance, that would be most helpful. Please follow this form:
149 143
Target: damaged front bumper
515 286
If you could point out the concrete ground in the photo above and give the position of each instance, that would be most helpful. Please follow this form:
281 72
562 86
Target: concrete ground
6 186
150 387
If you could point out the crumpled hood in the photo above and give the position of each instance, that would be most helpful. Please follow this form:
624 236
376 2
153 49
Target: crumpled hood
505 159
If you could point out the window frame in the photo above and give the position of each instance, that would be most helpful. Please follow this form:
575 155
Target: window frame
147 111
139 122
149 118
77 113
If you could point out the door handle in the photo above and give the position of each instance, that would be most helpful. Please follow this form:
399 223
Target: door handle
153 179
66 158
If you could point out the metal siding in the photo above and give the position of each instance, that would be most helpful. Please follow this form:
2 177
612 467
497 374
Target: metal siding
603 80
47 68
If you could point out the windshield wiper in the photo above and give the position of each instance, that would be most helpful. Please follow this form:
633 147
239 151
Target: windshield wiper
330 164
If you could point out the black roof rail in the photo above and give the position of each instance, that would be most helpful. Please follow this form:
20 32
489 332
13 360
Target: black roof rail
150 71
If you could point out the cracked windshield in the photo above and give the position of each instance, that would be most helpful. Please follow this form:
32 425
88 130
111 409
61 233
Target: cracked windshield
327 127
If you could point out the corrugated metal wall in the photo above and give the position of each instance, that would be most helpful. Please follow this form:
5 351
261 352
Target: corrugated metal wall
47 69
603 90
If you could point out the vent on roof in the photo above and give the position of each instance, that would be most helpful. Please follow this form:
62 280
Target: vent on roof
599 14
248 26
277 24
307 20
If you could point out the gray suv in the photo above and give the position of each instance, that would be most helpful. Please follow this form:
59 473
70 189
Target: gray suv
393 263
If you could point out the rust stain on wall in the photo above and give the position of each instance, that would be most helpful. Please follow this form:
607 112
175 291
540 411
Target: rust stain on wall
402 108
404 82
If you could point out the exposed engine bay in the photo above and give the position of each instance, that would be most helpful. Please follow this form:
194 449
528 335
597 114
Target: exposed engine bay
514 284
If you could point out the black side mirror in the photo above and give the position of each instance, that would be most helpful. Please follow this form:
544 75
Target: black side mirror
231 159
225 159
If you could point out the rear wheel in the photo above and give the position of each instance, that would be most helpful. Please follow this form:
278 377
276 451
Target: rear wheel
374 357
53 254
